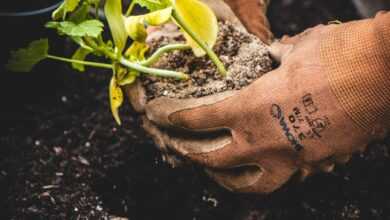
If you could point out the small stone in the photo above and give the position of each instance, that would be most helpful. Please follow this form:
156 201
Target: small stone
57 150
83 160
242 82
64 99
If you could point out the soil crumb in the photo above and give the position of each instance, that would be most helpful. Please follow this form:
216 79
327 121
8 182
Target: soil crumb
245 57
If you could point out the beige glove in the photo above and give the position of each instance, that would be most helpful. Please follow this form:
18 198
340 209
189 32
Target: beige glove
291 121
254 140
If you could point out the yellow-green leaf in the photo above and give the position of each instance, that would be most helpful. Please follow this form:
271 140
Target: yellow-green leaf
135 28
113 13
66 7
159 17
136 51
153 5
201 20
116 99
128 79
123 75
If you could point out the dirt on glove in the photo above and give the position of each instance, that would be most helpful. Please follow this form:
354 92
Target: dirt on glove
245 57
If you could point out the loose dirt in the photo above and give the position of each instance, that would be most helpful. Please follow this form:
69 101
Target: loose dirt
245 57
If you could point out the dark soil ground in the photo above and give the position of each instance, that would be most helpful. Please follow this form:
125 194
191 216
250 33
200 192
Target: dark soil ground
63 157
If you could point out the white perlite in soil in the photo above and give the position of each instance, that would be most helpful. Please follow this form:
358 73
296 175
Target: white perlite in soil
244 55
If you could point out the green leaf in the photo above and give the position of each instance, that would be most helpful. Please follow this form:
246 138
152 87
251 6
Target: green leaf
23 60
89 28
135 28
201 20
113 12
158 17
80 54
116 99
81 43
81 14
66 7
153 5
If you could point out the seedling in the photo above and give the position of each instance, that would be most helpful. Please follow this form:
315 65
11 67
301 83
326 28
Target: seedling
127 61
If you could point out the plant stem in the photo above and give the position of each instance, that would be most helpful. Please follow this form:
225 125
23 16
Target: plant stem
152 71
165 49
203 45
130 9
97 10
140 68
86 63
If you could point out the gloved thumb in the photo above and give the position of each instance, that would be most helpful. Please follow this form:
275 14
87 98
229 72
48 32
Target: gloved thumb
280 51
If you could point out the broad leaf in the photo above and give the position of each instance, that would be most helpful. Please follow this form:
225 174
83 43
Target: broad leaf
135 25
135 28
113 13
23 60
80 54
116 99
158 17
89 28
201 20
154 5
66 7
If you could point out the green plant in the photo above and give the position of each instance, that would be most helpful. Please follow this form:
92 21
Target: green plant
75 20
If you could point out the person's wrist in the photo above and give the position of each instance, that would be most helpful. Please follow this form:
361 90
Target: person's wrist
353 57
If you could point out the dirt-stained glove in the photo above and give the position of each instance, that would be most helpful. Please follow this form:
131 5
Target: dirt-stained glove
254 140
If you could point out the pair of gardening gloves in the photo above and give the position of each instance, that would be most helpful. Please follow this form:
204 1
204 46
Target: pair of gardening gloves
287 123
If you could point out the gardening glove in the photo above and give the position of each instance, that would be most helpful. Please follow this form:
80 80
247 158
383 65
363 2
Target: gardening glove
329 98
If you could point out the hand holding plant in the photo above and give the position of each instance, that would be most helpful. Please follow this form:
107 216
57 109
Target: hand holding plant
74 19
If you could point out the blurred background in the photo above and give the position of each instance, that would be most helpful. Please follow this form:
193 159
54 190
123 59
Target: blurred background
63 157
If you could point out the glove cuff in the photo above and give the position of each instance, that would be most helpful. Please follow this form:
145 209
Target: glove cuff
356 57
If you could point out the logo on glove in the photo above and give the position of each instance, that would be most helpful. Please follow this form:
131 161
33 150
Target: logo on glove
276 112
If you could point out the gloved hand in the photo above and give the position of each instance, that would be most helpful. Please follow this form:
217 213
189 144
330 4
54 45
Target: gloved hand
256 139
